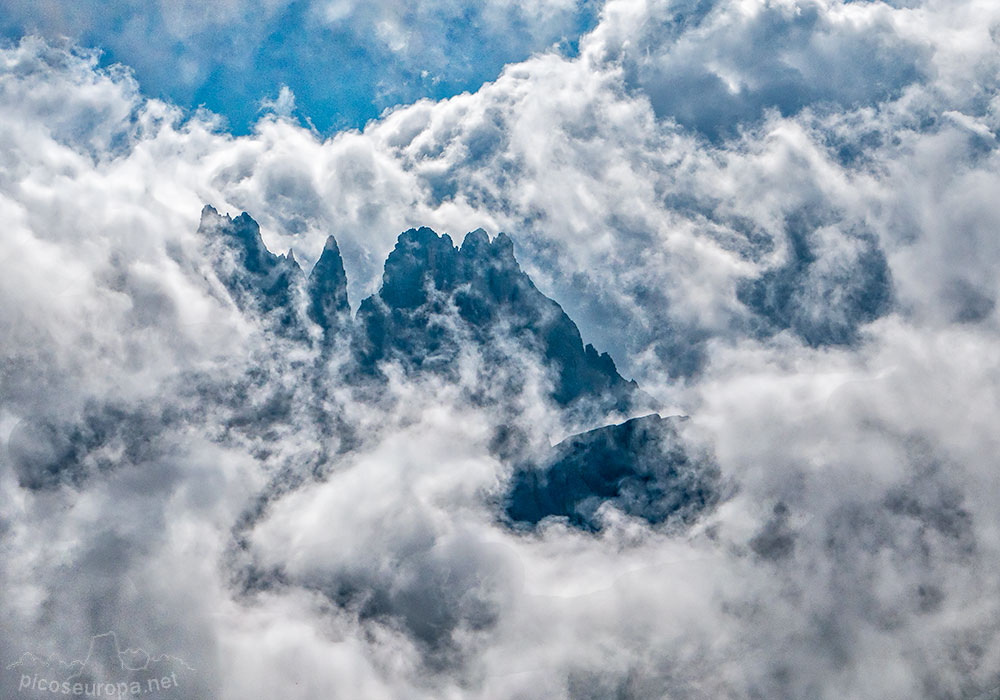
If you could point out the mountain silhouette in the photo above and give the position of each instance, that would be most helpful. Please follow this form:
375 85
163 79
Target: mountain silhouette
436 300
257 280
641 467
440 303
327 291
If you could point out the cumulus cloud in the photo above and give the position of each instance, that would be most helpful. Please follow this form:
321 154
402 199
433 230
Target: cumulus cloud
777 216
347 61
723 64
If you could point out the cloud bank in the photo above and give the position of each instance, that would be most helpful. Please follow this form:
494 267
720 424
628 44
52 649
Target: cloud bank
345 60
778 217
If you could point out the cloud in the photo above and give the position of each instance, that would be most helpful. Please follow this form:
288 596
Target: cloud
812 280
346 61
283 105
713 66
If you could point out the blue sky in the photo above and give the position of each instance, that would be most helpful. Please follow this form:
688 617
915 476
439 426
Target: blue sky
780 217
344 61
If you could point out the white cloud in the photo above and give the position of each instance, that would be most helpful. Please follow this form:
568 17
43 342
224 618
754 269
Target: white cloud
283 105
879 450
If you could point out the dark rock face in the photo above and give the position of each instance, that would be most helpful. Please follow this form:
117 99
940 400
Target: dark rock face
438 301
327 290
640 467
435 296
435 299
257 279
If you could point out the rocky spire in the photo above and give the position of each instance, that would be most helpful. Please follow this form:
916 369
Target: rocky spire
421 260
327 290
427 277
435 299
257 279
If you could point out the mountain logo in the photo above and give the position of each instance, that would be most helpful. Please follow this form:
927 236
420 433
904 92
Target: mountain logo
107 671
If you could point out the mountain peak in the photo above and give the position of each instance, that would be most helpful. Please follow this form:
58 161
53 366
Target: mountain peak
642 466
426 278
503 244
256 278
208 211
475 241
477 249
327 289
420 258
435 300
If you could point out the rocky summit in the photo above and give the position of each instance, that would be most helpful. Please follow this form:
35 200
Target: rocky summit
437 303
641 466
435 300
435 297
257 279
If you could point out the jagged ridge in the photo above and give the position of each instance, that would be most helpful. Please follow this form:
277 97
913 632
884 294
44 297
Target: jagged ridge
437 299
426 277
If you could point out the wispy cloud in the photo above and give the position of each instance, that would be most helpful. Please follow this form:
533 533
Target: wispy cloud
346 61
778 217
